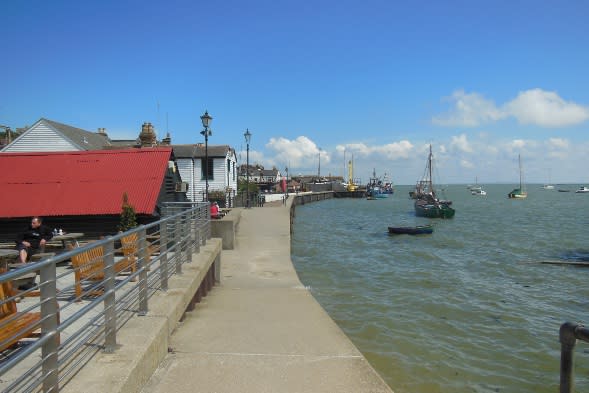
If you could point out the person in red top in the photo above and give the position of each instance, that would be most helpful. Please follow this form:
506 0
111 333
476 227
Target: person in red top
214 210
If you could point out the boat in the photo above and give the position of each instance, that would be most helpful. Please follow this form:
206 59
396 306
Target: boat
477 189
548 186
563 190
378 188
427 203
417 230
519 193
582 190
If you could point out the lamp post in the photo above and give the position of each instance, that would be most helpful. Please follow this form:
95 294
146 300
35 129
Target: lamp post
206 121
248 137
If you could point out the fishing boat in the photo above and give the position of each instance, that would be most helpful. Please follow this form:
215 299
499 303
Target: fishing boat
427 203
519 193
582 190
417 230
377 188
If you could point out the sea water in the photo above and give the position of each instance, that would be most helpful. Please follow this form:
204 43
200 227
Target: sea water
469 308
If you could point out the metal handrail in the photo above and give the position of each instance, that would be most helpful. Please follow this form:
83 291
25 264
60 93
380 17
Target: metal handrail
73 329
568 334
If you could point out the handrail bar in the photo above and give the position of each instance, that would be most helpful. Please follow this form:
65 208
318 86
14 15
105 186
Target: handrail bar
72 331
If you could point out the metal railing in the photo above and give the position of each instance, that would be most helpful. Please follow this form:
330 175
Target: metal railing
83 317
569 333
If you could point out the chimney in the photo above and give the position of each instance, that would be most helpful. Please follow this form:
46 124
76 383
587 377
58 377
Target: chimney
167 140
147 135
101 131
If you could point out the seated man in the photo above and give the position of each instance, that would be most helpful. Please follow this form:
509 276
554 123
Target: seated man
32 239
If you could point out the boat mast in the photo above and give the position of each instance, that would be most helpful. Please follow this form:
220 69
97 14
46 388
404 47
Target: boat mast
429 165
519 159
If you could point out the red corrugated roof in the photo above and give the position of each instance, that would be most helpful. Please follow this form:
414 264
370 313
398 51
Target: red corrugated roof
81 183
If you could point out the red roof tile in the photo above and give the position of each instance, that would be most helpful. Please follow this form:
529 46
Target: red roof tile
81 183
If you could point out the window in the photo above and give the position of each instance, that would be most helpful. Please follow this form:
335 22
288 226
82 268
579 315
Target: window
203 167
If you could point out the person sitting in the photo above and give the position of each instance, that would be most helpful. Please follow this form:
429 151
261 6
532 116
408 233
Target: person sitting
215 210
32 239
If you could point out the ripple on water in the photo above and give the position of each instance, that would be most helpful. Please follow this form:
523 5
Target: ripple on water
466 309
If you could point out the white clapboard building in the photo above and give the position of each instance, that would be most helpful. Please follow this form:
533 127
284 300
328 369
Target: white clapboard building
222 170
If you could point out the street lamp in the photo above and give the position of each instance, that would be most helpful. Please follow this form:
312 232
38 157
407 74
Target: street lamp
206 120
248 137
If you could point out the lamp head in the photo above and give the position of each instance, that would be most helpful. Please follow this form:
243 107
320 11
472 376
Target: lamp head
247 135
206 119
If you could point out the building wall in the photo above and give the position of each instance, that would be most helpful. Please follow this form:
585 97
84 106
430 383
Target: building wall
224 177
40 138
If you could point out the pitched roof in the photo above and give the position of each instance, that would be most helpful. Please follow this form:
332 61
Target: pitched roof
86 140
198 150
81 183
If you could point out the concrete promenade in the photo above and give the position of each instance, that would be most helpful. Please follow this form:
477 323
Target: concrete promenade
260 330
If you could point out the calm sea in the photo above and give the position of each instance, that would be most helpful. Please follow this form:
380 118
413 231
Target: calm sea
469 308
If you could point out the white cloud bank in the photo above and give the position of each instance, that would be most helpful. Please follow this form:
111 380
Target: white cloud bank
535 106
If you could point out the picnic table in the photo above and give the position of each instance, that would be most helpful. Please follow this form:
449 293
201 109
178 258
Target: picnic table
68 239
7 256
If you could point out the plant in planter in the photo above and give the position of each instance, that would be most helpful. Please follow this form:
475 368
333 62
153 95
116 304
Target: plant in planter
128 215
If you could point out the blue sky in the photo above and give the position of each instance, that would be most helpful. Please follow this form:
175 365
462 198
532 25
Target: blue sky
380 80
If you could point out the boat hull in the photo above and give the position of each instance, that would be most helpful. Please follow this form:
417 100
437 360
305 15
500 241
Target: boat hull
433 210
418 230
517 194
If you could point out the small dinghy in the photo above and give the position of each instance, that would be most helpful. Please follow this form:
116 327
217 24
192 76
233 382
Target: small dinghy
417 230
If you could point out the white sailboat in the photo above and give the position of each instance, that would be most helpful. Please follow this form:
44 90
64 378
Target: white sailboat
519 193
548 186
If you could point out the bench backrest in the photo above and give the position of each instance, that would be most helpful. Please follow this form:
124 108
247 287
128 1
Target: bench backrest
7 307
90 263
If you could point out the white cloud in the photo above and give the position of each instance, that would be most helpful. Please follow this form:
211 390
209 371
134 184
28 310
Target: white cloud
535 106
546 109
461 143
393 151
518 144
299 152
470 110
466 164
558 143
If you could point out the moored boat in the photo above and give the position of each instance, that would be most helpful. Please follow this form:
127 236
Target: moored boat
416 230
519 193
427 204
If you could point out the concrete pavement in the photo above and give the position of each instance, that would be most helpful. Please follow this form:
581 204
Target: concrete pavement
260 330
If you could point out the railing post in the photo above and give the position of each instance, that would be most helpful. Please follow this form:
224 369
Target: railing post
567 353
195 224
142 264
177 245
164 267
49 327
208 220
187 236
110 315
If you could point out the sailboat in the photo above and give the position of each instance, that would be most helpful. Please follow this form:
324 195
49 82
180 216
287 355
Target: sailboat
518 193
548 186
427 203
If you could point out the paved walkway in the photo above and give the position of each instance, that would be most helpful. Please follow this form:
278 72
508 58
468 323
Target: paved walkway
260 330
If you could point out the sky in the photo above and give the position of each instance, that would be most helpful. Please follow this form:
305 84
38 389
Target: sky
317 83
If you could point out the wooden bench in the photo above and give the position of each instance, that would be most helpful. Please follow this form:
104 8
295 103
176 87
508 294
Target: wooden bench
89 267
15 325
130 247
